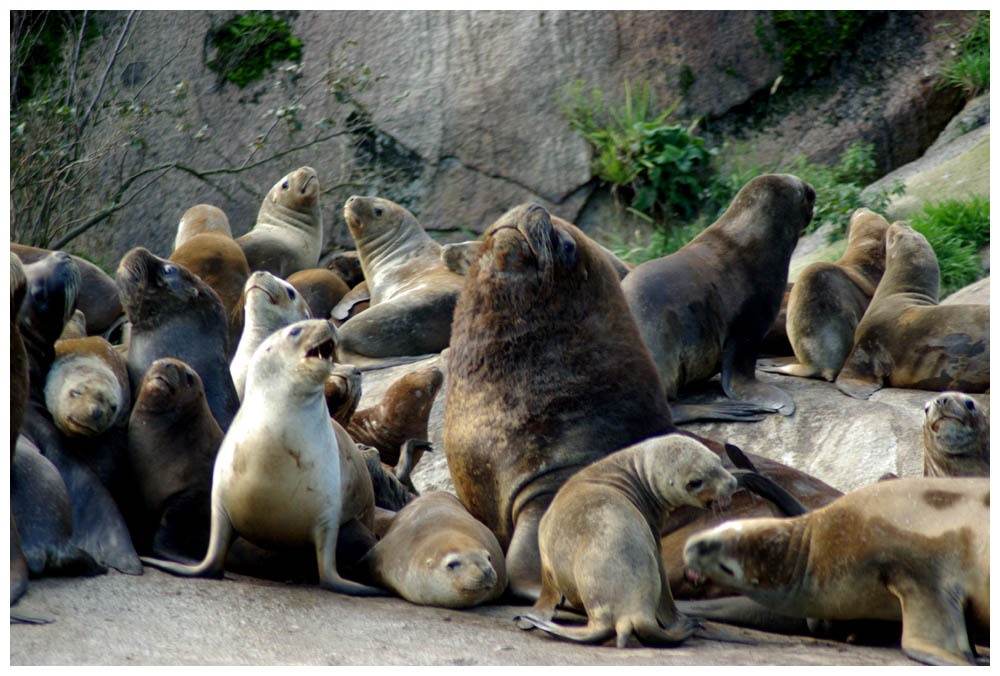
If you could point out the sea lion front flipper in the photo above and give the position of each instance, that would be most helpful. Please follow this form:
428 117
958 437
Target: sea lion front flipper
788 366
739 383
725 411
859 389
406 463
220 539
524 563
341 312
759 484
934 630
864 371
326 560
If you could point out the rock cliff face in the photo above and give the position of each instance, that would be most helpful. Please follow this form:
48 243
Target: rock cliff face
466 117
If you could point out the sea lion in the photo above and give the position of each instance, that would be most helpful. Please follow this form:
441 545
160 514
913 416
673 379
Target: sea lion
199 219
87 389
391 494
321 288
220 262
268 304
279 477
347 266
706 307
18 354
599 546
172 442
906 339
97 296
914 549
540 340
828 300
956 437
342 391
76 327
174 313
401 415
352 303
436 554
412 291
775 341
288 235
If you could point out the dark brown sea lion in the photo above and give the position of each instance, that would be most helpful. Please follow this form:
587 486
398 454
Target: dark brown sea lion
97 297
829 299
906 339
599 545
914 549
342 391
321 288
18 355
956 436
87 389
282 478
199 219
288 235
176 314
172 442
347 266
706 308
220 262
540 340
436 554
412 290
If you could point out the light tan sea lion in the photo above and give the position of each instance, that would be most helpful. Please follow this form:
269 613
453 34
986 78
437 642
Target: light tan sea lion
906 339
436 554
706 308
288 235
200 219
87 389
281 479
914 549
956 436
828 300
599 545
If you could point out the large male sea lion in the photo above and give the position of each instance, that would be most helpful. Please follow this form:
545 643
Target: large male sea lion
87 389
176 314
914 549
599 545
288 235
706 308
436 554
956 436
268 304
199 219
906 339
280 478
172 442
412 291
828 300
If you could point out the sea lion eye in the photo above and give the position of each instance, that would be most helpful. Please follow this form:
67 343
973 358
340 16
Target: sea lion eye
969 404
291 293
452 565
74 393
378 212
284 186
296 331
694 484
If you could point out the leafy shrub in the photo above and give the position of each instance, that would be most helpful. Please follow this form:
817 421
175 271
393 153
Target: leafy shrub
970 72
249 44
956 230
809 41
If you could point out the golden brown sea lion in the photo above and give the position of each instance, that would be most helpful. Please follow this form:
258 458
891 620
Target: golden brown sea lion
87 389
906 339
914 549
321 288
956 436
200 219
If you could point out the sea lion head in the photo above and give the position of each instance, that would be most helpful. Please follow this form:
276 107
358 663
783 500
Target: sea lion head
298 359
370 218
460 573
342 391
954 424
682 471
411 396
53 285
199 219
866 234
154 290
272 302
780 206
747 555
83 393
296 193
910 262
169 387
18 286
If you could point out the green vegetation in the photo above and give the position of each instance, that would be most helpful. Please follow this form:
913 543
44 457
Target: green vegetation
248 45
956 230
970 72
809 41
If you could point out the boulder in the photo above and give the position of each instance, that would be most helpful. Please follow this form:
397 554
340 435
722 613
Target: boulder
977 293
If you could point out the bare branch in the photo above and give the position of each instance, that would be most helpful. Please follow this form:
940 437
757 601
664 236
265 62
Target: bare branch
76 60
107 72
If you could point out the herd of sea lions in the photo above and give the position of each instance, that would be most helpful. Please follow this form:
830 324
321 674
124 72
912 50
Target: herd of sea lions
199 414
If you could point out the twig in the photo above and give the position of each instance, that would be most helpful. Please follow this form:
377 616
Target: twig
76 60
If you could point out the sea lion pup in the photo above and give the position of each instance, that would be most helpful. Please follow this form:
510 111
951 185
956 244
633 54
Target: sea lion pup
321 288
200 219
97 296
599 545
400 416
268 304
87 389
347 266
220 262
172 442
706 307
956 437
342 391
288 235
436 554
828 300
174 313
540 341
914 549
413 292
279 477
906 339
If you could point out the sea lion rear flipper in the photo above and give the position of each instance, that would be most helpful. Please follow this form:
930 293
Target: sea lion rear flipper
858 389
739 458
725 411
769 490
342 310
934 630
862 372
787 366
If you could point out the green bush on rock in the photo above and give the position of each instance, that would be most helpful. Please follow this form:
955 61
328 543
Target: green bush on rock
249 44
